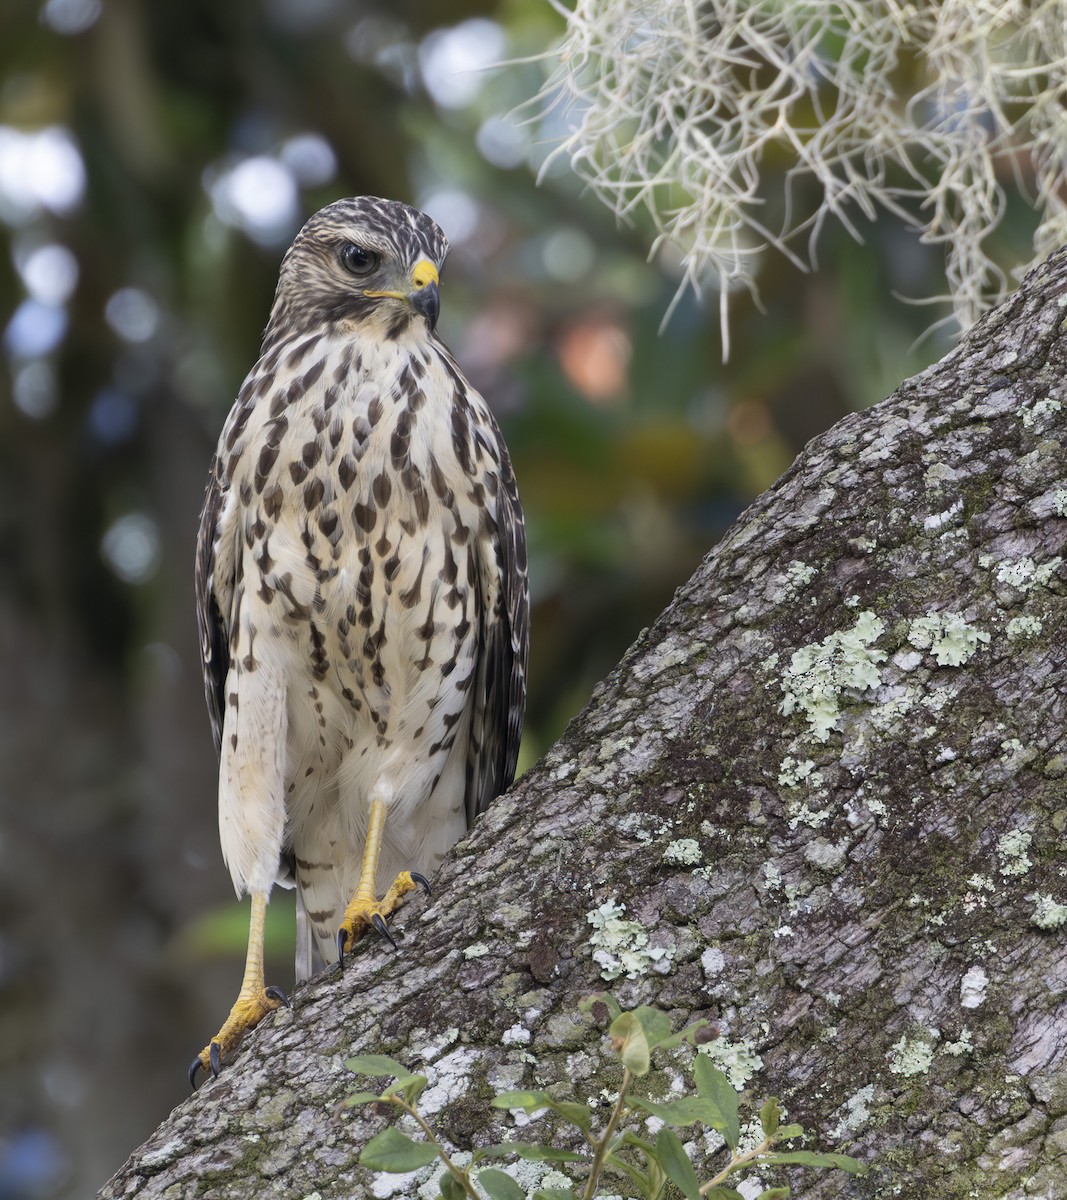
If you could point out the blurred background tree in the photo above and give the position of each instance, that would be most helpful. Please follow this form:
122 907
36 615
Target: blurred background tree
155 160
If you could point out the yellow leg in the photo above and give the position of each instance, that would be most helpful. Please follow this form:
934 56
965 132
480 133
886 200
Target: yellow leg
365 910
253 1001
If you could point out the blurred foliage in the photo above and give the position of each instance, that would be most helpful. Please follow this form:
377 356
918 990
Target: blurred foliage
155 160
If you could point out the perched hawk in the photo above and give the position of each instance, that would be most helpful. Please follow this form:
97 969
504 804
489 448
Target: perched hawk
361 595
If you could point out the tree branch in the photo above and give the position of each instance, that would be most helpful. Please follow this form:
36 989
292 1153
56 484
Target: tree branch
828 788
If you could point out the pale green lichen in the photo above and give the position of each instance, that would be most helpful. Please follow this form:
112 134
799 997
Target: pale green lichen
475 950
1039 410
888 714
685 852
948 637
964 1045
791 771
1015 755
1024 627
633 825
1012 848
738 1061
913 1055
620 946
855 1113
1048 913
803 814
818 673
1023 573
797 575
1060 501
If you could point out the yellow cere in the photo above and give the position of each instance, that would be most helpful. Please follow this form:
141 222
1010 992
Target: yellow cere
424 274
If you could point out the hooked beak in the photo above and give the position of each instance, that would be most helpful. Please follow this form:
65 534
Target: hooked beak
421 291
425 300
423 296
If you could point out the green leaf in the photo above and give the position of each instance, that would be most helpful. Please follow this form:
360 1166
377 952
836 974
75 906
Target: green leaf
723 1193
577 1114
769 1116
789 1131
587 1002
631 1139
554 1194
376 1064
642 1180
671 1156
686 1110
688 1034
523 1100
451 1188
499 1185
360 1098
530 1150
713 1086
412 1087
394 1151
809 1158
629 1041
779 1193
656 1024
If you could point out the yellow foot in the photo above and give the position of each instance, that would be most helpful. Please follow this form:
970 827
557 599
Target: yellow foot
249 1009
364 912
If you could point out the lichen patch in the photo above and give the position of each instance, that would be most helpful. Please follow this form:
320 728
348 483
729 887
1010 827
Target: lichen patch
819 674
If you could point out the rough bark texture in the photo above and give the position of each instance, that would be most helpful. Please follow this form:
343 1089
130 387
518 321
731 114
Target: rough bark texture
828 785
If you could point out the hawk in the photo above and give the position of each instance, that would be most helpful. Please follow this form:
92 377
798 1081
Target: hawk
361 595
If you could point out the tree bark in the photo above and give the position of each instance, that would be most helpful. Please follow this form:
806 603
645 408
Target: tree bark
828 788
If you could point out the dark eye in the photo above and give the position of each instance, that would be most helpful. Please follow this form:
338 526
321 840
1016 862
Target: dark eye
358 259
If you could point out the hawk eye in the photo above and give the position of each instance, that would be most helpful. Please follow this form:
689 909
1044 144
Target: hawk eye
358 259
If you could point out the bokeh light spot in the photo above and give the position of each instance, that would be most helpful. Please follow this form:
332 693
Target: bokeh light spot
112 416
34 389
311 159
132 314
595 353
49 273
454 210
131 547
34 330
567 255
70 17
259 195
454 61
39 170
502 141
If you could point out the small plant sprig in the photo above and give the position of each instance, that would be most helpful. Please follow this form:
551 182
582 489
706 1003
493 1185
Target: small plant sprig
615 1147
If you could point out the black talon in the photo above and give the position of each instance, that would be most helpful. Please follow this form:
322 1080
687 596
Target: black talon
215 1054
422 881
276 993
194 1066
382 929
342 937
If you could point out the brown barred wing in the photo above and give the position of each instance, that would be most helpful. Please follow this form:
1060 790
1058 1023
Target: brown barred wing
214 637
500 700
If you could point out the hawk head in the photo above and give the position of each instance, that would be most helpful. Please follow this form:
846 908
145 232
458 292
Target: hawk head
365 261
